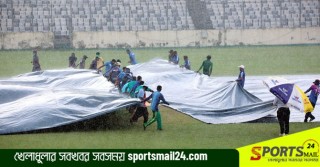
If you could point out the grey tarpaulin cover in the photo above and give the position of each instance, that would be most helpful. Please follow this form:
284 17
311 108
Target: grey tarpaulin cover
216 100
53 98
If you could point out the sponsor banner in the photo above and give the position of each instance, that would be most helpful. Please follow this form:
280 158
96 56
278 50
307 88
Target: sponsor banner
300 149
85 157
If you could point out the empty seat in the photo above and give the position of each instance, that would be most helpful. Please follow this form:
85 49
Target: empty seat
154 15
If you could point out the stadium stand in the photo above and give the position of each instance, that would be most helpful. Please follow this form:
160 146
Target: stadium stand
66 16
253 14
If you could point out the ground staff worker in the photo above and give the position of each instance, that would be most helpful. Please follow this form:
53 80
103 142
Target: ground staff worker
283 115
242 76
207 66
142 108
35 62
315 91
156 97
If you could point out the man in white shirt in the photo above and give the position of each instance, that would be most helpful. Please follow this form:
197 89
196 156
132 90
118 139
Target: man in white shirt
283 115
142 109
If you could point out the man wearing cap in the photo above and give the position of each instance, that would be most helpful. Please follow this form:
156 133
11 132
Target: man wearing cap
242 76
132 57
83 62
35 62
313 97
207 66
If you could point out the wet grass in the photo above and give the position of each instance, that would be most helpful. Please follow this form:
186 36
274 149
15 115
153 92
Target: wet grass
180 131
263 60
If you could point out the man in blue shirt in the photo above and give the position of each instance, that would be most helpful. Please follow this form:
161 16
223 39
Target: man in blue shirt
132 57
156 97
175 57
186 64
242 76
108 66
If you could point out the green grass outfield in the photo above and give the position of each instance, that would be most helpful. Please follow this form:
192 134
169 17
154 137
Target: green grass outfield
264 60
180 131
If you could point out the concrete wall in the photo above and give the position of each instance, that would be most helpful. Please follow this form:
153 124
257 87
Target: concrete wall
26 40
185 38
273 36
196 38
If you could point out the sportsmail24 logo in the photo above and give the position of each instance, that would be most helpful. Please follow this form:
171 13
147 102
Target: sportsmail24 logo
307 152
